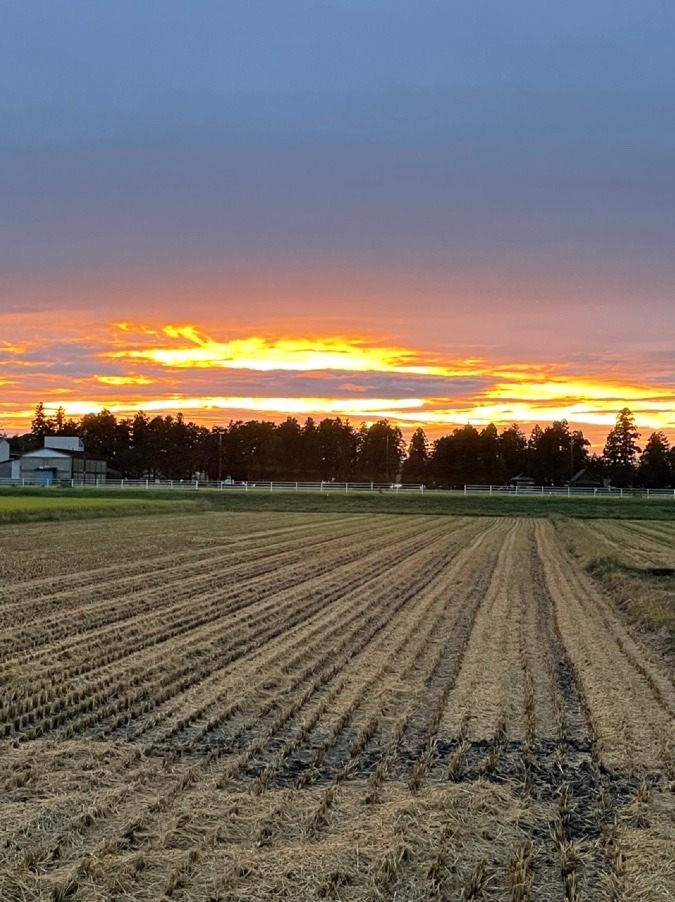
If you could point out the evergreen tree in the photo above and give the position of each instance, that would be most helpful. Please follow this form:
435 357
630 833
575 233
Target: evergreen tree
621 449
380 452
512 452
41 425
655 470
456 458
287 450
337 445
98 431
415 465
490 469
311 456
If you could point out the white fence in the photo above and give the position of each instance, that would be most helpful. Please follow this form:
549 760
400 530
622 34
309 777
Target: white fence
229 486
567 490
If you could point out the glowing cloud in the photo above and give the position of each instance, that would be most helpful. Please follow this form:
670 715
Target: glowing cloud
296 354
169 368
123 380
557 389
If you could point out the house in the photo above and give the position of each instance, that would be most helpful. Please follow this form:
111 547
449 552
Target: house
62 459
583 479
521 481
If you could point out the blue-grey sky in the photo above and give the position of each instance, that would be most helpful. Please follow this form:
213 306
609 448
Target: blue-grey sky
473 177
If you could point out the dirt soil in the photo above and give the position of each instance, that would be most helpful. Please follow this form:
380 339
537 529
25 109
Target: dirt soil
352 707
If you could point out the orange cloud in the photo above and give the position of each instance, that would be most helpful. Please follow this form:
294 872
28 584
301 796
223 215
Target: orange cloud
559 389
124 380
169 368
194 349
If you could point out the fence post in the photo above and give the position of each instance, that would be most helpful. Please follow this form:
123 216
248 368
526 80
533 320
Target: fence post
271 486
296 487
647 493
346 487
490 489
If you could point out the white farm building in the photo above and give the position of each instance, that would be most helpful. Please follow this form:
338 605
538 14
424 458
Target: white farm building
62 459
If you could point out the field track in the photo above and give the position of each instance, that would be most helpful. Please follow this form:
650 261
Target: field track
353 707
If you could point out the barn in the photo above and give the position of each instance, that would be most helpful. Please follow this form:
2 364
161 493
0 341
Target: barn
62 459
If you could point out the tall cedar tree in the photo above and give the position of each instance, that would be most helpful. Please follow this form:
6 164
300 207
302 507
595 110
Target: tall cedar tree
655 466
415 464
621 450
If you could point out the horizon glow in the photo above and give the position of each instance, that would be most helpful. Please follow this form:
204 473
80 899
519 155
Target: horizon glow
167 368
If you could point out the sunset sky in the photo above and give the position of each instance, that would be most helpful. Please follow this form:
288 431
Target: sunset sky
437 212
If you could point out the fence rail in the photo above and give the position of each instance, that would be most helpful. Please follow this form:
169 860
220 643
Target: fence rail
568 491
344 487
228 486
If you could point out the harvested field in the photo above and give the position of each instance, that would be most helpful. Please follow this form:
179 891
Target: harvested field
634 563
309 706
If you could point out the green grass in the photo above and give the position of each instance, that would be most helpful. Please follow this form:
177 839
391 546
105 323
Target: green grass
448 503
25 506
56 503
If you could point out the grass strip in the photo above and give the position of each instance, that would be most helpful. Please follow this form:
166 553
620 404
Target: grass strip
431 502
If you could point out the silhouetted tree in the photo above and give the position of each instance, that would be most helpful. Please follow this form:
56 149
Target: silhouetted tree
490 470
64 425
287 457
311 454
256 441
556 453
455 459
380 452
621 449
41 425
654 471
337 449
415 465
99 432
512 452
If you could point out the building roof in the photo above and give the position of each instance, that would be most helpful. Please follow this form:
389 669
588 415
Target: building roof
83 455
522 477
62 452
64 442
584 477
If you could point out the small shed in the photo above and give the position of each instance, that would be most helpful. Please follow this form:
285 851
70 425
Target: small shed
584 479
521 481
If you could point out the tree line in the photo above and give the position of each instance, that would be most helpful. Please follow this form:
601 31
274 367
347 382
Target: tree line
171 447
